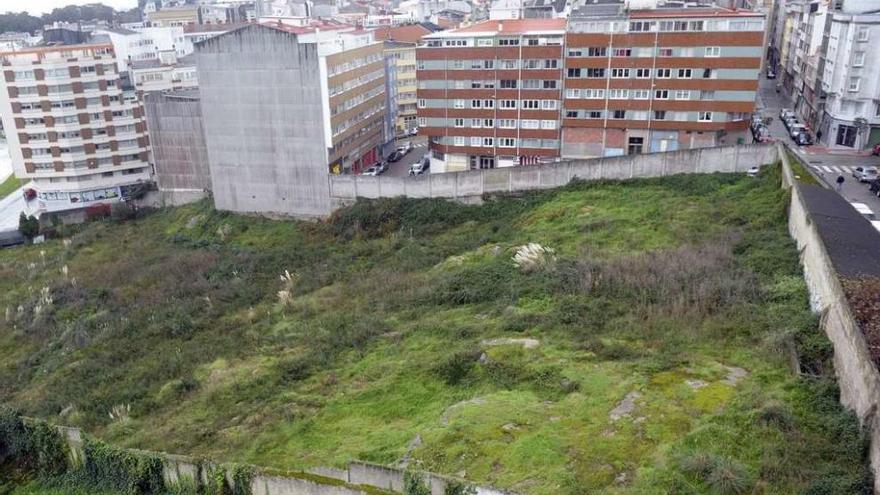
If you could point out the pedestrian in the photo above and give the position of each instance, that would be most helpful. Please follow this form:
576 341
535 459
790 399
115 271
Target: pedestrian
840 180
818 136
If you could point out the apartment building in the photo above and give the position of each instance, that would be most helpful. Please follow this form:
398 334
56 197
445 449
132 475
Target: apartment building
74 132
660 80
490 95
177 15
164 73
308 101
400 46
516 92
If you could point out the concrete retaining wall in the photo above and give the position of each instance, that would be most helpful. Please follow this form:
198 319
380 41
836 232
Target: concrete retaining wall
857 375
475 183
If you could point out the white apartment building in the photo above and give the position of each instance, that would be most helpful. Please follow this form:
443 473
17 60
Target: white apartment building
851 81
74 133
825 50
144 44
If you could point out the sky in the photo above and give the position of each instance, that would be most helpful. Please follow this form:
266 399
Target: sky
39 7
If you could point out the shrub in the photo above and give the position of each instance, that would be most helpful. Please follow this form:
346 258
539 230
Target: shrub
458 488
478 283
776 414
414 484
456 367
29 226
729 477
112 468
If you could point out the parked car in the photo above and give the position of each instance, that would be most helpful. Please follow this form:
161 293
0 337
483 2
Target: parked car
803 138
381 167
420 167
406 148
395 156
412 132
753 171
374 170
795 129
865 174
786 112
761 133
789 121
771 74
876 150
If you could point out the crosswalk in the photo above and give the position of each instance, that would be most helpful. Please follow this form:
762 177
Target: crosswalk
832 169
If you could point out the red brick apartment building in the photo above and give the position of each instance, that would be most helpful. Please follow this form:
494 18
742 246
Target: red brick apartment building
517 92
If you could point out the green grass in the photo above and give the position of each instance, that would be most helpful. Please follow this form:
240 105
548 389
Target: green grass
8 186
800 171
658 287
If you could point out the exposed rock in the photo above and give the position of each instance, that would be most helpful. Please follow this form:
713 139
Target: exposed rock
625 407
734 375
510 427
696 384
525 342
483 358
476 401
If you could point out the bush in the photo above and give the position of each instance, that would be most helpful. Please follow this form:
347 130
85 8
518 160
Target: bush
458 366
477 283
112 468
414 484
29 226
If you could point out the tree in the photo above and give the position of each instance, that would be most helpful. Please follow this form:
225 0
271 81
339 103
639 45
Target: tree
29 226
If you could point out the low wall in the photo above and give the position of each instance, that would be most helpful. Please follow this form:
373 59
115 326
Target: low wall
475 183
857 375
360 478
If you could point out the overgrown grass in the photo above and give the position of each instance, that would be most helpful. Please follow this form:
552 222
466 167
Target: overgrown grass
8 186
406 318
800 171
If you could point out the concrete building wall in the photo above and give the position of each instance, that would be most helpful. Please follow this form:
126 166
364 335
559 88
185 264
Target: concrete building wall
263 118
180 156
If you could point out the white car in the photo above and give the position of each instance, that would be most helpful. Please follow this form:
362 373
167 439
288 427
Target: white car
420 167
865 174
406 148
374 170
753 171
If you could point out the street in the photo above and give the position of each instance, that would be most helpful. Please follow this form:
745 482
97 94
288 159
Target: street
12 205
401 167
827 165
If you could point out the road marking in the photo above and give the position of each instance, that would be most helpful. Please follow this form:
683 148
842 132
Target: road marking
825 168
846 169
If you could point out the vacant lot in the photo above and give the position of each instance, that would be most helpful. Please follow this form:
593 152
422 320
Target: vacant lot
643 344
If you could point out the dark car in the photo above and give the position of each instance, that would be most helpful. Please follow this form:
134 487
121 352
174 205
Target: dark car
381 167
803 139
876 150
395 156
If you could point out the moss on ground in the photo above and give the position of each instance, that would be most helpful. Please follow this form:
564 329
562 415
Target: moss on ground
658 288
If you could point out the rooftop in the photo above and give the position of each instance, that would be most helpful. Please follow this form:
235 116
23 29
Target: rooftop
511 26
693 12
410 33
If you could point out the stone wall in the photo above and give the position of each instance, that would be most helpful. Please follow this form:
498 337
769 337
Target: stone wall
857 375
475 183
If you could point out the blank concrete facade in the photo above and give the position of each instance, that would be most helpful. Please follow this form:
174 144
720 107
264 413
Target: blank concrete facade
180 155
264 128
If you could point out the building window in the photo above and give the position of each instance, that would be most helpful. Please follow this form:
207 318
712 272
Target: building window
640 94
708 74
489 123
618 94
457 64
661 94
854 83
643 73
682 95
640 26
507 123
423 122
475 141
476 103
507 104
705 117
551 63
858 59
659 114
574 73
684 73
530 105
594 94
507 142
596 73
548 104
531 84
508 84
619 73
488 103
664 52
548 124
530 124
509 64
476 123
664 73
572 93
508 41
487 141
484 42
635 146
594 114
422 103
713 51
623 52
846 136
549 84
862 34
458 123
619 114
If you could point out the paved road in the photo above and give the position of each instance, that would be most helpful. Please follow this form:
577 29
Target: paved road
828 166
420 148
10 206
